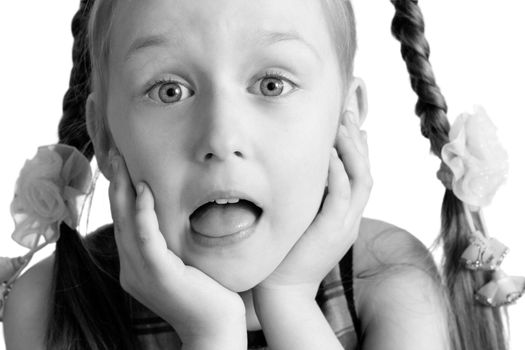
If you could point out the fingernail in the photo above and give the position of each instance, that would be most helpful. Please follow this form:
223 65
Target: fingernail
140 189
333 152
344 118
351 120
114 164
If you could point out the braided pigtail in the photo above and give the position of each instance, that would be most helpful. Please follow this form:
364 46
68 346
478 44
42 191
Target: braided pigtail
89 309
72 128
473 327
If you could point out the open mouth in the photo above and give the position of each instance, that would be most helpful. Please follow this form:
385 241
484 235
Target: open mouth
224 219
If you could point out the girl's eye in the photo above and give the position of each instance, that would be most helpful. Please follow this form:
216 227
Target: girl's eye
169 92
273 86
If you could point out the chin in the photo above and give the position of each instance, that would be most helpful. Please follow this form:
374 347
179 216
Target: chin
239 277
239 284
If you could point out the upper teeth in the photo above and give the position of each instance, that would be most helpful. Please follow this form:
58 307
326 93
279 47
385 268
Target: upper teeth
224 200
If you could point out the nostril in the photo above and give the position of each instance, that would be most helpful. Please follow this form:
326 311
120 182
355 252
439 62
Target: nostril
209 156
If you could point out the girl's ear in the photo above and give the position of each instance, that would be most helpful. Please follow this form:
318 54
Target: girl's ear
99 134
356 101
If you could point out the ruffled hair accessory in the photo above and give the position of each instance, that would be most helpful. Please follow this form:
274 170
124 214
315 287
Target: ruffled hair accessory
50 190
474 166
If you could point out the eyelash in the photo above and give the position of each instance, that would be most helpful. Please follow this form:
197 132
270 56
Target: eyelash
278 75
268 74
160 82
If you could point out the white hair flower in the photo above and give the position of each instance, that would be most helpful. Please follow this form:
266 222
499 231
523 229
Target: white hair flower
476 158
49 191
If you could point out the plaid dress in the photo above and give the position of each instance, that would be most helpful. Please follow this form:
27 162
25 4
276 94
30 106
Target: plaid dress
335 297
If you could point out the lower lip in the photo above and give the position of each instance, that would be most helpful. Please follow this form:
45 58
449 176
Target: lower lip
210 242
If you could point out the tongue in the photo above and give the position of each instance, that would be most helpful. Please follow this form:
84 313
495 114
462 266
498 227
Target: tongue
223 219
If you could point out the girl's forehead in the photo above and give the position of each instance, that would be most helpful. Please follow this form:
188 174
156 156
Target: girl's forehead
140 24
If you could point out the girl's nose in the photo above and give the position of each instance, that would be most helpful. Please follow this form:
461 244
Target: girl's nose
221 131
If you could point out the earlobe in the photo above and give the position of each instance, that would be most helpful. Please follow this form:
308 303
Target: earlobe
99 134
356 101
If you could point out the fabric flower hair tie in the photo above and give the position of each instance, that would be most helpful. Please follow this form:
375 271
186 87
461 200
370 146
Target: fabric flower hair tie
474 166
483 253
50 190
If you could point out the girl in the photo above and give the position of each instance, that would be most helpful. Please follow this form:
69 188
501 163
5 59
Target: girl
173 129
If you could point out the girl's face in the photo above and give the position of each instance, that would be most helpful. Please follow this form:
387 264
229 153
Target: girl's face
229 95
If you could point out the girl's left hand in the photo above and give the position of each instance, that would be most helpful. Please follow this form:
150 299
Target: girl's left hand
336 226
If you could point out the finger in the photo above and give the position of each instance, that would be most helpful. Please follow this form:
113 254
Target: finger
331 219
340 202
359 137
364 138
347 118
150 241
347 148
354 133
122 204
339 190
337 201
357 169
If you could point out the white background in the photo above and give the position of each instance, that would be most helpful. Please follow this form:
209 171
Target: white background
478 57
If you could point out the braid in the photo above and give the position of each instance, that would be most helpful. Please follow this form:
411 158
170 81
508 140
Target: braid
408 27
89 308
72 128
472 327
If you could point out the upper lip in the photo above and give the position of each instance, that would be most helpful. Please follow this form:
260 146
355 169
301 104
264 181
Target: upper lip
225 194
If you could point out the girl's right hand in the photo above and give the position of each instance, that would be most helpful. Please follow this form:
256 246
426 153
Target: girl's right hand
204 314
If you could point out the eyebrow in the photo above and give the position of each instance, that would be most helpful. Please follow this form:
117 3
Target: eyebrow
267 38
264 38
142 43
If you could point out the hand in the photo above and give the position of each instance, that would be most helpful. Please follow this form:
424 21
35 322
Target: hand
198 307
336 226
